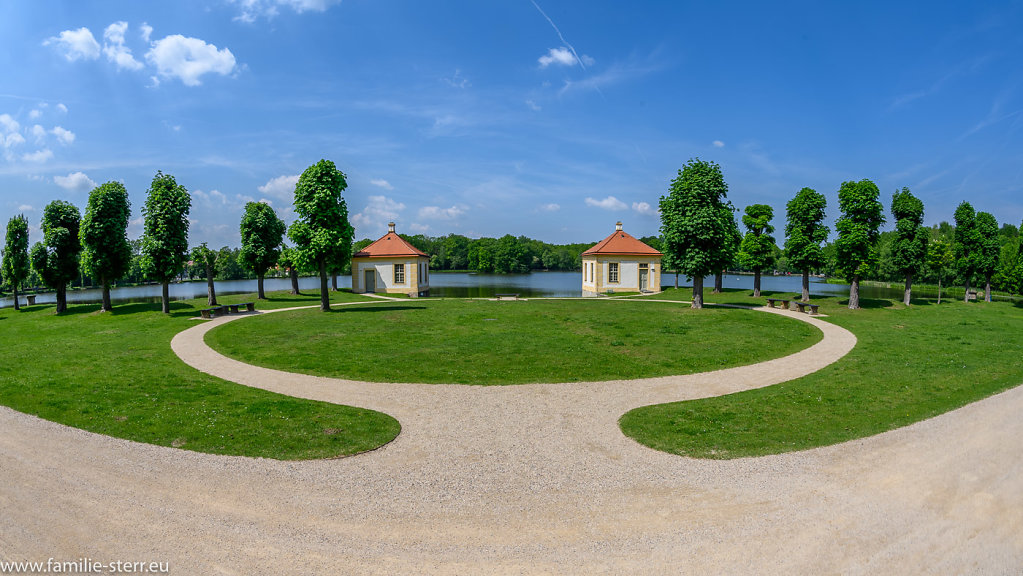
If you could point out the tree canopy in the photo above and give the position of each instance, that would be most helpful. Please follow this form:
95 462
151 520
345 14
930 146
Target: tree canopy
56 258
322 233
858 229
261 231
106 254
165 234
909 249
967 245
990 250
694 225
805 232
757 249
16 262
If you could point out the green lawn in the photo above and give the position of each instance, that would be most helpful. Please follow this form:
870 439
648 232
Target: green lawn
486 342
115 374
909 364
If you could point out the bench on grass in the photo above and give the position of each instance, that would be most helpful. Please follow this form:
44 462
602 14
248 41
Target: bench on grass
507 296
208 313
804 305
784 303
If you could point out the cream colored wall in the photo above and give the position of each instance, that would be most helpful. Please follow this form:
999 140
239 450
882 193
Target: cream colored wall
384 271
628 274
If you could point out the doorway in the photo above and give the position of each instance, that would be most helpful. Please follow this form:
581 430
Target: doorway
371 284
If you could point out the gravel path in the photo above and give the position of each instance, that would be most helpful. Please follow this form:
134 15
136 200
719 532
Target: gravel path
526 479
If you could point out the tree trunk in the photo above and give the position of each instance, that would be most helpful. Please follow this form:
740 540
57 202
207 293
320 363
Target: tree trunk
14 287
333 282
294 280
211 290
806 285
939 289
718 281
909 289
966 292
756 283
61 299
698 291
165 296
107 307
324 296
676 279
854 293
259 288
987 287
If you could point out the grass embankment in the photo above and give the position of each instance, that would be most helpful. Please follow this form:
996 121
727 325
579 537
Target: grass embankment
115 374
486 342
909 364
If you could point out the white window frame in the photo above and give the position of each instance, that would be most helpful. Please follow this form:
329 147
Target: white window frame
399 273
613 272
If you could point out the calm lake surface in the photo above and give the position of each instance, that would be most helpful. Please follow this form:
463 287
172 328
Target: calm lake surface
456 285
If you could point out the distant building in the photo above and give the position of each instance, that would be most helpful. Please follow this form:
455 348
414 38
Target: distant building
620 263
391 266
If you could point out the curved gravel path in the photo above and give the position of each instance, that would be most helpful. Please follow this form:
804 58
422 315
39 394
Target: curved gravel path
525 479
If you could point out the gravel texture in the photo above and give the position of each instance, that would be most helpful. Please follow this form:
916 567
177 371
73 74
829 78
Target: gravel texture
525 480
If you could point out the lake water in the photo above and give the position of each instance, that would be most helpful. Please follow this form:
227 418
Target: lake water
452 285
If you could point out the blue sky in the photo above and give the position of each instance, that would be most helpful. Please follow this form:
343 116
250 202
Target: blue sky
547 119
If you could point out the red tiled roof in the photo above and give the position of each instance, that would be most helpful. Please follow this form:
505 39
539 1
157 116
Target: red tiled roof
390 245
621 243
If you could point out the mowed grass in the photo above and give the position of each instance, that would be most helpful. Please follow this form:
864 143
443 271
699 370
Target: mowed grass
115 374
487 342
909 364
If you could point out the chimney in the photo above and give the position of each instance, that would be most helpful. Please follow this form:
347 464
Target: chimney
390 227
618 226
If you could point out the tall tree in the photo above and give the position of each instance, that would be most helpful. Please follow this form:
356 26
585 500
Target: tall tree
15 259
732 247
757 249
262 231
106 254
165 235
56 259
858 229
940 259
207 258
909 250
322 233
289 260
693 223
966 246
804 233
990 250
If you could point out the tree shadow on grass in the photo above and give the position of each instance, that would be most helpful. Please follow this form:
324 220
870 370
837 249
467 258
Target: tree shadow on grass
870 303
348 309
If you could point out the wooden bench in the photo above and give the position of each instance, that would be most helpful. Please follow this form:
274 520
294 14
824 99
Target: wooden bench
249 306
208 313
233 308
507 296
804 305
784 303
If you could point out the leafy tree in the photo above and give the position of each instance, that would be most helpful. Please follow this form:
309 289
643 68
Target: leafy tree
732 247
322 234
262 231
207 259
694 225
289 260
967 245
909 249
228 265
56 259
941 260
862 216
804 233
757 249
106 254
15 258
165 235
990 250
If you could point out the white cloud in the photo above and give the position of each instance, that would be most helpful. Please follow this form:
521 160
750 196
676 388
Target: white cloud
281 187
63 136
62 108
418 228
718 144
609 203
379 210
39 133
34 114
188 59
12 140
458 81
213 197
550 207
25 208
561 56
9 124
75 182
438 213
253 9
114 48
644 208
75 44
146 32
381 183
533 106
39 156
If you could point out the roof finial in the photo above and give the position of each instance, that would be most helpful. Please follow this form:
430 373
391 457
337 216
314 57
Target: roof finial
618 226
390 227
